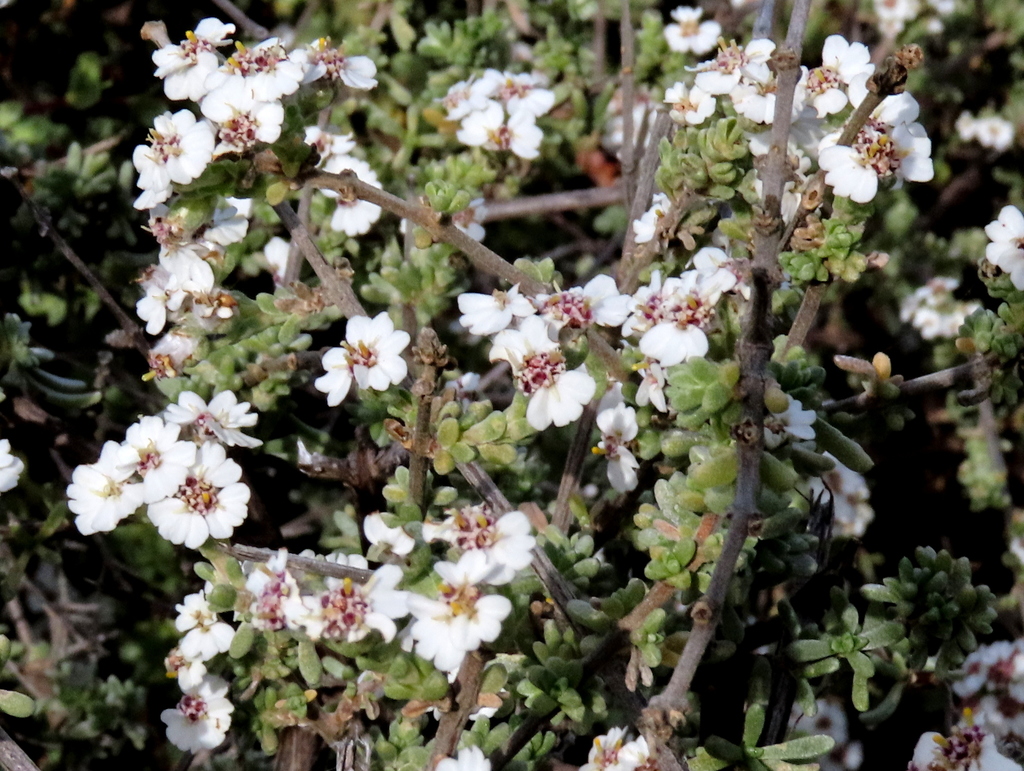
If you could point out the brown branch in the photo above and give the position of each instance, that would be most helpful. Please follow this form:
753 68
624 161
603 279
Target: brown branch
467 689
599 43
306 564
578 451
12 757
250 27
338 289
432 356
805 316
754 350
566 200
628 152
659 594
967 375
350 187
42 218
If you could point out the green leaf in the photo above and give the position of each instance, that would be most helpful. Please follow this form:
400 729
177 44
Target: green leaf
808 650
309 663
723 749
86 84
883 635
753 724
706 762
402 31
16 704
829 438
804 748
242 642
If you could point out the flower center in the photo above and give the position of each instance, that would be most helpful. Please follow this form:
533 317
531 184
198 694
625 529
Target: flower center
822 79
730 59
510 89
689 28
344 609
192 46
461 599
502 137
268 604
541 370
681 310
192 707
876 149
251 61
149 459
331 58
240 131
360 354
164 148
199 494
571 307
474 527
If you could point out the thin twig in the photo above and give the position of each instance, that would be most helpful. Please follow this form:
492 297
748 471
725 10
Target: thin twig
13 757
339 290
42 218
432 356
627 37
600 43
567 200
467 690
754 350
659 594
961 376
805 316
637 257
252 28
574 459
305 564
763 22
351 187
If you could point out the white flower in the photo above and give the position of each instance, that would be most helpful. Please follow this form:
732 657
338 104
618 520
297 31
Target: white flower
604 754
202 718
1006 251
152 449
893 15
556 395
599 302
487 128
267 69
618 427
354 71
180 148
689 34
11 467
371 355
645 227
889 144
652 385
355 217
488 314
273 589
671 317
210 504
467 220
841 62
851 496
328 144
933 311
966 749
101 495
348 611
169 354
219 420
185 67
205 634
710 259
189 673
994 132
505 541
732 64
276 254
229 226
518 93
470 759
243 121
462 617
794 421
690 105
390 539
462 99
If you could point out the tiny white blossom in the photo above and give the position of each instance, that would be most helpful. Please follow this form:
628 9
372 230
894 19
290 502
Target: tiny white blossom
355 217
205 635
210 504
652 385
469 759
1006 250
468 222
733 64
488 128
794 422
462 617
618 427
689 34
893 15
101 495
462 99
605 752
518 93
598 302
991 131
488 314
243 121
202 718
273 588
229 226
841 63
965 749
371 355
180 148
556 395
185 67
504 540
328 144
276 254
152 449
392 539
188 673
690 105
171 352
645 227
933 311
356 72
267 69
219 420
11 467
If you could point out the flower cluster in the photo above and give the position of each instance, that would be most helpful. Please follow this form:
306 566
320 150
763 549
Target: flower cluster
190 486
688 34
499 111
965 749
1006 250
992 687
989 131
933 311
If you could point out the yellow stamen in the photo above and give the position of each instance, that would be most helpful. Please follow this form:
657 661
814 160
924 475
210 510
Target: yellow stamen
191 36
